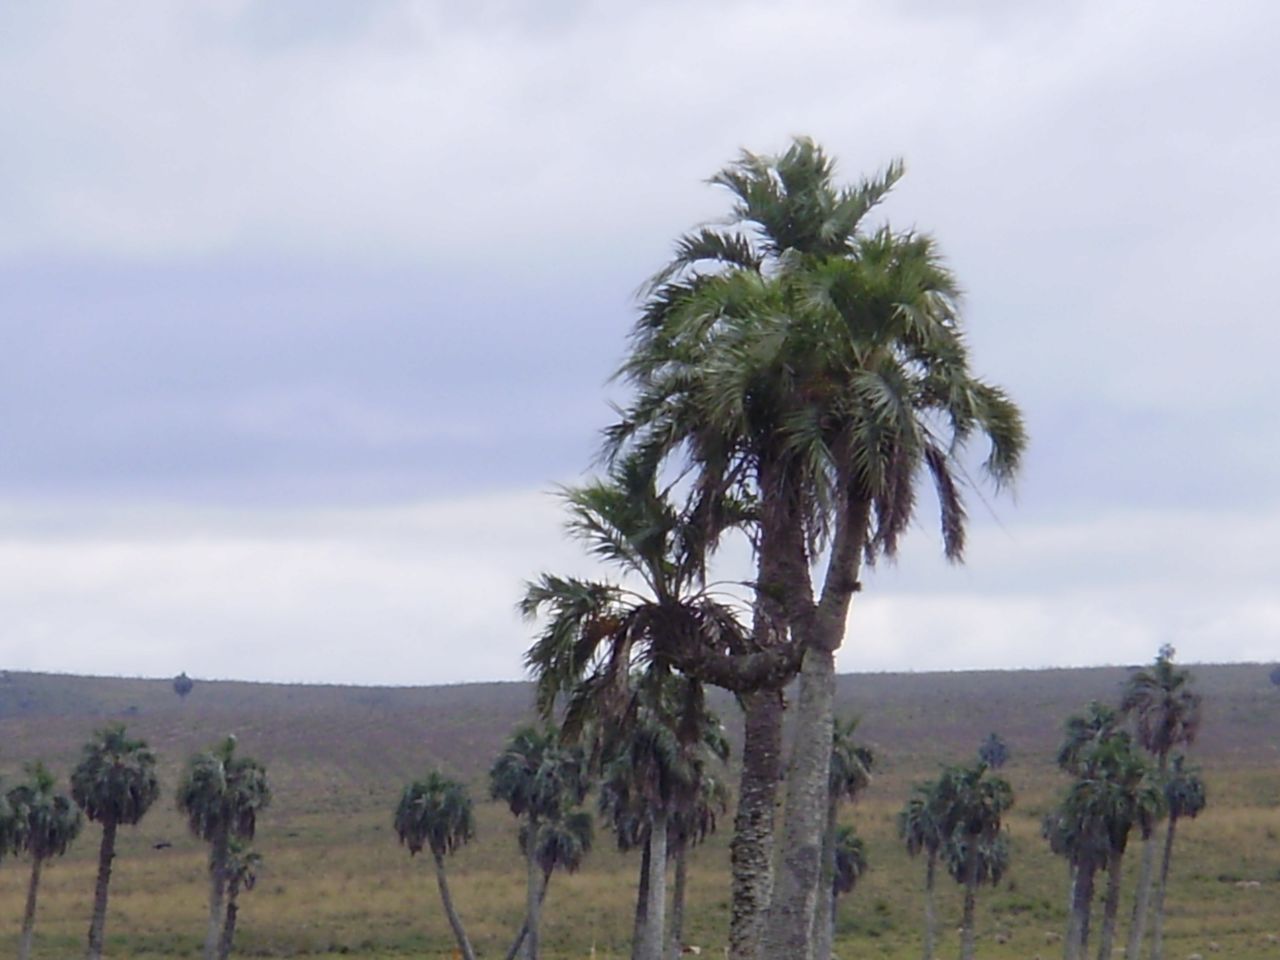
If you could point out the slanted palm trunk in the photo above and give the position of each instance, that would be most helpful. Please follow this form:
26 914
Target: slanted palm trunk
97 925
29 915
676 941
533 902
1111 906
1082 903
455 922
524 925
824 916
217 895
751 851
968 938
1157 931
930 915
650 947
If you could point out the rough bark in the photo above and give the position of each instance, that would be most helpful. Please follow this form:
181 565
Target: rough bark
824 924
930 913
1111 906
968 934
29 915
751 850
651 933
676 940
455 922
1157 927
98 923
217 894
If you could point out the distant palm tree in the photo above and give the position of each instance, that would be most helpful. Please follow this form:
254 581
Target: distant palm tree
436 813
541 781
243 865
920 826
1084 731
971 807
563 844
849 774
994 752
222 794
46 823
1167 714
114 783
850 864
1185 796
183 685
690 824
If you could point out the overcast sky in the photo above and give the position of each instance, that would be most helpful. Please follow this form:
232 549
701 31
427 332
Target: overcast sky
307 305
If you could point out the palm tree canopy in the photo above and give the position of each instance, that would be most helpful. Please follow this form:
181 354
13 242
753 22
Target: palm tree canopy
1165 708
851 762
1084 731
435 812
993 858
920 822
850 860
538 776
972 804
115 780
1184 790
222 793
46 820
562 843
243 865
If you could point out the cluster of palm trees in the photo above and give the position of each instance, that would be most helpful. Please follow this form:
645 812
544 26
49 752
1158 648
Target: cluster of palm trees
114 784
1126 778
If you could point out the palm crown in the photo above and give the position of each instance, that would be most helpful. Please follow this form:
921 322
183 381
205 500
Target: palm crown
434 812
46 821
222 793
1165 708
115 780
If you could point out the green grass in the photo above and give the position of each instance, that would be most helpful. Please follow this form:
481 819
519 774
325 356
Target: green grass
337 884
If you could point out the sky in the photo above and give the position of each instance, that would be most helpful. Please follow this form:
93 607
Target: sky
309 307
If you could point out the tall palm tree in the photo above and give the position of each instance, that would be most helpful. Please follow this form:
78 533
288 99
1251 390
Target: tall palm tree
1185 797
114 783
850 864
222 794
849 774
971 806
824 367
46 823
541 781
436 813
921 828
243 865
690 824
1166 714
563 844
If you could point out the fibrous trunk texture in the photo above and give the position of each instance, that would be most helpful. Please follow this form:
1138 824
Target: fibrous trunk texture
642 901
824 924
217 893
751 851
229 924
455 922
524 924
97 925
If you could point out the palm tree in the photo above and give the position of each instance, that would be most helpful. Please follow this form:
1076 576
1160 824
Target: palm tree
243 865
920 826
824 367
848 776
563 844
690 824
46 823
1185 796
994 752
541 782
850 864
222 794
436 813
1083 732
115 783
971 807
1166 712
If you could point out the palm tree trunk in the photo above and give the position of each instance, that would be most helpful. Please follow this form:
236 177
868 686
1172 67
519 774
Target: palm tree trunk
29 915
676 941
751 851
533 902
97 925
1082 903
524 924
789 928
1142 898
642 901
930 914
1157 932
455 922
1111 906
229 923
824 924
217 893
651 938
967 931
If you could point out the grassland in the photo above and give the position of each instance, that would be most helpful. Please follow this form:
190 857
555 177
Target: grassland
336 883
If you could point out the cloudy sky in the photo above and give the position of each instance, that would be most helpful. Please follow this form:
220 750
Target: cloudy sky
308 304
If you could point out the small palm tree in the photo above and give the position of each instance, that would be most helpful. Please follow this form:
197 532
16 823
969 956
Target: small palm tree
114 783
850 865
994 752
971 808
1167 714
222 794
690 824
920 826
46 823
1185 796
243 865
436 813
848 776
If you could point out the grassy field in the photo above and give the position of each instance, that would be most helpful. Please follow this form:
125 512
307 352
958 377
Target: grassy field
336 882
